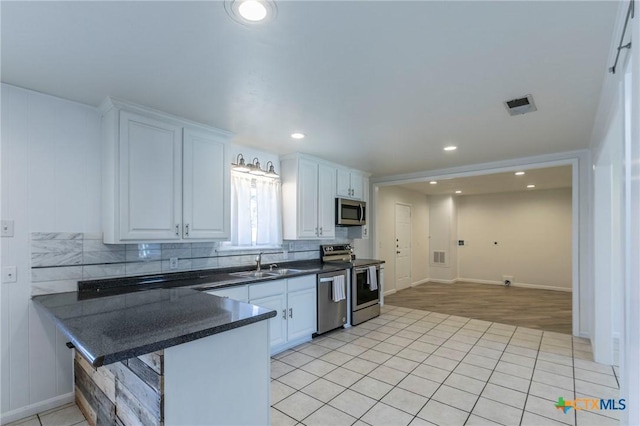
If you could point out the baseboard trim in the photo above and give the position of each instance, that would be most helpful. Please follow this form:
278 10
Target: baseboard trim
39 407
388 292
524 285
417 283
435 280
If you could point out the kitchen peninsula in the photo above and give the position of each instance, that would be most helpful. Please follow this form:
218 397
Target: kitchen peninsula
170 356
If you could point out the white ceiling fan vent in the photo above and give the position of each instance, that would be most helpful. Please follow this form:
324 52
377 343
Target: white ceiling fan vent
520 105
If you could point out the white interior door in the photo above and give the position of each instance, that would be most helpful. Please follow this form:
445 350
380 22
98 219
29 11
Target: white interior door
403 246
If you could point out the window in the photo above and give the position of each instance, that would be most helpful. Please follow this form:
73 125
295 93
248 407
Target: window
256 218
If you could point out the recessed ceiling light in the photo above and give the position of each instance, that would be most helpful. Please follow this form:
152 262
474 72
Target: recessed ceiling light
450 148
458 192
531 186
252 10
433 182
298 135
519 173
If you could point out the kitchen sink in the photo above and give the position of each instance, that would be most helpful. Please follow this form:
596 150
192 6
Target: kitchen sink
250 274
260 274
283 271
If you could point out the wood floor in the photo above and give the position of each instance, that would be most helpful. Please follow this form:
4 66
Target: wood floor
540 309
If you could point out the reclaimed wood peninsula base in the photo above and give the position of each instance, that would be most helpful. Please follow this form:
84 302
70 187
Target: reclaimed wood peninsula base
222 379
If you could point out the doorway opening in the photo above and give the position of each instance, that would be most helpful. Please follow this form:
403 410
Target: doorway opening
500 226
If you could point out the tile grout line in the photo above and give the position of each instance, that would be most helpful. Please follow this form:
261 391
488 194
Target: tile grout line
526 397
492 371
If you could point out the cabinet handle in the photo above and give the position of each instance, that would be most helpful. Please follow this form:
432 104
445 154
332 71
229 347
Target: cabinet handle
177 230
321 230
187 229
290 312
317 233
284 314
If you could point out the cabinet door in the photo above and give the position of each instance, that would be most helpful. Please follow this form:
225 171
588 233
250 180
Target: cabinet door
307 199
150 179
240 293
326 202
277 324
206 207
357 186
343 183
302 321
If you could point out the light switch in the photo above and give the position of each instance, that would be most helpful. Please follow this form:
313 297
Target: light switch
6 229
9 274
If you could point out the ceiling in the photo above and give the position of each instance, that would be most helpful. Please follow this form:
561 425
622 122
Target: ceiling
547 178
380 86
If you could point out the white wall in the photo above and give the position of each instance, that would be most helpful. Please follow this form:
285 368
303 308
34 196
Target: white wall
50 182
533 232
620 100
385 228
443 232
608 285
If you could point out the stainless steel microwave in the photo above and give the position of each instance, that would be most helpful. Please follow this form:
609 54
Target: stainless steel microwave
350 212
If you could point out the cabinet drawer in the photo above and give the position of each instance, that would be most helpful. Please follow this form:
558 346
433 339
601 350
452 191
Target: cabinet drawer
240 293
301 283
270 288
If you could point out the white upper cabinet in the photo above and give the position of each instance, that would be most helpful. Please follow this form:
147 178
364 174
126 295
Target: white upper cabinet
308 198
164 179
309 190
205 186
349 183
149 176
326 201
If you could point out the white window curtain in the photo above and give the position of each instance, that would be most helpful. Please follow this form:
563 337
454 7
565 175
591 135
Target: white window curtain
268 202
256 217
240 209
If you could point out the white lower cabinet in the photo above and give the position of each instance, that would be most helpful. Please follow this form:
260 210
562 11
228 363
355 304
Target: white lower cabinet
240 293
302 304
294 300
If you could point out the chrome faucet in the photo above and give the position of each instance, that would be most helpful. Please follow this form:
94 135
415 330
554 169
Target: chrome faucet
259 261
273 265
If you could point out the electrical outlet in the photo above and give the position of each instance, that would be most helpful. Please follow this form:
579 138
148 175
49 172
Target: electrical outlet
9 274
6 229
173 263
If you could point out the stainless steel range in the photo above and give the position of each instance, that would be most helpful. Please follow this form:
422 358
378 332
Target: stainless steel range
365 281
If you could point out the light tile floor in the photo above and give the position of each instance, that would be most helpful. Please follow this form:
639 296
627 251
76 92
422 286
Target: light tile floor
412 367
67 415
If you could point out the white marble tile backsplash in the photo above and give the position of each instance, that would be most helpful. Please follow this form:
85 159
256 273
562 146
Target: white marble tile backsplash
60 259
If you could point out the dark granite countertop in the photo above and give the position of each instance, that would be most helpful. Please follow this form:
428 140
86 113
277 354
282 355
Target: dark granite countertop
207 279
114 328
111 320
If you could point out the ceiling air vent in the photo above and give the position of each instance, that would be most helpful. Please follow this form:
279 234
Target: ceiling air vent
520 105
